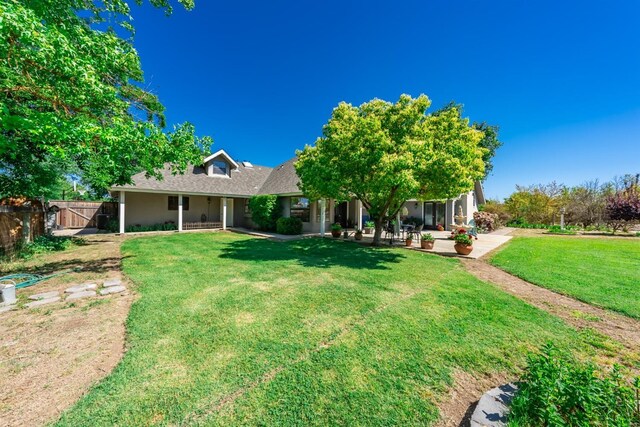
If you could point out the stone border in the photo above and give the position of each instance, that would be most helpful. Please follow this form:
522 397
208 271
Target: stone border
493 407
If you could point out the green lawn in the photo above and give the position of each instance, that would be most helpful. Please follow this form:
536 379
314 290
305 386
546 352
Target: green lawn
602 272
232 330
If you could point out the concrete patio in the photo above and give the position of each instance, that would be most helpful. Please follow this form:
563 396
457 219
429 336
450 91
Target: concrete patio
443 245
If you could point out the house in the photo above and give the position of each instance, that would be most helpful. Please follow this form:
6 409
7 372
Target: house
216 194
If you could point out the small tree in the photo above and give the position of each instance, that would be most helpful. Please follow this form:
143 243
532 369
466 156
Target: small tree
265 211
385 154
623 208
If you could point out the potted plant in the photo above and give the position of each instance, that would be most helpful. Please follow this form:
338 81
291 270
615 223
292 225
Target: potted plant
427 241
358 234
369 226
464 244
336 230
440 227
409 240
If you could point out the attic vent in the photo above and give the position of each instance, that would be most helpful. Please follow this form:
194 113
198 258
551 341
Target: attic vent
247 164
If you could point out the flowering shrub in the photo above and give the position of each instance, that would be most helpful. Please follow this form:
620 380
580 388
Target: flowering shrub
623 208
486 221
463 239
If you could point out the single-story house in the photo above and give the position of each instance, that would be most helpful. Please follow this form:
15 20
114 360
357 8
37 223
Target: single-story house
216 194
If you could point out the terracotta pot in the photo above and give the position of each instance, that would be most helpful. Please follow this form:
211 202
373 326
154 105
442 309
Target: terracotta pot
408 242
427 244
463 249
336 233
358 236
368 230
440 228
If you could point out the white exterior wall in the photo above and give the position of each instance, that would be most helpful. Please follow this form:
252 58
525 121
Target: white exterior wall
148 209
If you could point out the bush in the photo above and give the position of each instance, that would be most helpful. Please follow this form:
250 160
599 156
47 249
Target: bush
289 226
556 229
557 390
44 243
112 226
167 226
486 221
336 227
265 211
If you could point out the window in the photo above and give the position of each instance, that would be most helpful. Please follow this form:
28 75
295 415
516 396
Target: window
173 203
300 208
247 210
219 167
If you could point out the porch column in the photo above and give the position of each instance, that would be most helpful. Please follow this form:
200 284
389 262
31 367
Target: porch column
179 212
224 213
423 219
121 211
323 203
359 210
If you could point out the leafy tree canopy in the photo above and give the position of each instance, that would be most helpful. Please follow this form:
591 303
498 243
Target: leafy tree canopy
385 154
489 141
70 94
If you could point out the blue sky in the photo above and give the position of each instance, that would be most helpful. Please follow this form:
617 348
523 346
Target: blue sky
560 78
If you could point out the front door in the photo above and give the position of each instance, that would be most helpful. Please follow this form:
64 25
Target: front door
340 214
434 214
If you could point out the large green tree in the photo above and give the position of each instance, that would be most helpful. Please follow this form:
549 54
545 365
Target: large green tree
70 94
385 154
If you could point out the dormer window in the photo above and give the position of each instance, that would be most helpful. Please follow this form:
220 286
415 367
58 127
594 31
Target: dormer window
219 164
220 167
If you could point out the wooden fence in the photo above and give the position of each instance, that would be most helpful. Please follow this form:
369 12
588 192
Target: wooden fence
21 221
79 214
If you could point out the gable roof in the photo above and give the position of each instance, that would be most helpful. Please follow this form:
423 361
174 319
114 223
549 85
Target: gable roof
221 153
282 180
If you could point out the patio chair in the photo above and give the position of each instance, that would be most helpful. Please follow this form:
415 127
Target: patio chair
389 229
473 231
416 233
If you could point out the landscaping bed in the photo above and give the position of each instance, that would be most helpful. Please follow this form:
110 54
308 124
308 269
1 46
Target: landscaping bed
234 330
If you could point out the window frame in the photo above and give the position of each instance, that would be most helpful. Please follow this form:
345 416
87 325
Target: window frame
304 213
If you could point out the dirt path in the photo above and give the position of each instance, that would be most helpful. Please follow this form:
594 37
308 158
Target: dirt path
50 356
579 314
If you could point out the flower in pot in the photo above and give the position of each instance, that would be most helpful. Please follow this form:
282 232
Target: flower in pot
440 227
427 241
336 230
369 226
464 244
358 234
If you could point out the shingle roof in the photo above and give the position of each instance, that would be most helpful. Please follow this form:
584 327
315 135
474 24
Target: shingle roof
282 180
244 181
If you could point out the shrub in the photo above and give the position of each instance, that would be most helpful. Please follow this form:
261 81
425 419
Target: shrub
112 226
290 226
623 208
556 229
265 211
167 226
336 227
427 237
45 243
485 221
557 390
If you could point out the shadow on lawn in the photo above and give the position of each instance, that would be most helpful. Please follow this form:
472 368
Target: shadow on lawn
312 252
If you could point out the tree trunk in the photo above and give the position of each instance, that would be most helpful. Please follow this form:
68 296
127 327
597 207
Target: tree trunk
378 231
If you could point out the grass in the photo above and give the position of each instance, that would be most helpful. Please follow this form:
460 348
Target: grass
232 330
602 272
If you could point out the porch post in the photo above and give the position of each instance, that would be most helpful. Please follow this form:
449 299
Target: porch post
323 203
423 219
179 212
121 210
224 213
359 210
